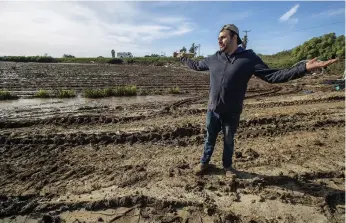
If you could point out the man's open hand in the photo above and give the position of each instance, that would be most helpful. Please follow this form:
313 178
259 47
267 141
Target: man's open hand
314 64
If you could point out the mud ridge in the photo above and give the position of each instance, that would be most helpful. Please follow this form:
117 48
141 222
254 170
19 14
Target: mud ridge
171 109
300 180
298 102
259 127
71 120
283 119
175 105
280 130
80 138
16 205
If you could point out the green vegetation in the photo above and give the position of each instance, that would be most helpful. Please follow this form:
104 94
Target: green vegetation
324 47
65 93
108 92
68 56
6 95
39 59
55 94
125 91
42 94
95 93
174 90
157 91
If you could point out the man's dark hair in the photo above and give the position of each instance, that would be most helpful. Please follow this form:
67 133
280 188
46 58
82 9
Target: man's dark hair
231 33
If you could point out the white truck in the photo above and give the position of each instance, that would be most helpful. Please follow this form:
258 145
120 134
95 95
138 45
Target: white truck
124 55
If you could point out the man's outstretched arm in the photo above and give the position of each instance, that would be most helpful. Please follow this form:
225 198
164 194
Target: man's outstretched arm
284 75
201 65
278 75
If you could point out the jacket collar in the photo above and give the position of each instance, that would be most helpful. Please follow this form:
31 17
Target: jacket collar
232 57
238 50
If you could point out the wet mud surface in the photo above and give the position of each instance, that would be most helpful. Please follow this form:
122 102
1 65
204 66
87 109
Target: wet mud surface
133 160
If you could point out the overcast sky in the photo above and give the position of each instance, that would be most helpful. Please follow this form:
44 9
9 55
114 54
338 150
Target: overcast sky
91 29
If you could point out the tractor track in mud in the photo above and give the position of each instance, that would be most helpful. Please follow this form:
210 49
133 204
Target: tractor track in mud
252 128
35 204
172 109
31 204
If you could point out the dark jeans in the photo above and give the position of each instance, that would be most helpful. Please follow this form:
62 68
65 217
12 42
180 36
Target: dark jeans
228 124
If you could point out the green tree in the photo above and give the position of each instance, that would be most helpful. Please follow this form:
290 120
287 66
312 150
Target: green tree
324 47
68 56
193 49
183 50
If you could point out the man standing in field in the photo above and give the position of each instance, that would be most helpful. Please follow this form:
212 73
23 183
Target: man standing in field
230 71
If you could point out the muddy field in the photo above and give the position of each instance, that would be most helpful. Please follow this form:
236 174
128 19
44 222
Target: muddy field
131 159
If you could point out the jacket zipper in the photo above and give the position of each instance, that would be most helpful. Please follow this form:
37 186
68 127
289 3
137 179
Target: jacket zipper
223 75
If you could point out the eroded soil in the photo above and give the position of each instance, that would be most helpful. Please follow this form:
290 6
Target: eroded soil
132 160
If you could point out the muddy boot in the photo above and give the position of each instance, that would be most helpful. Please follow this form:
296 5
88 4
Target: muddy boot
200 168
230 173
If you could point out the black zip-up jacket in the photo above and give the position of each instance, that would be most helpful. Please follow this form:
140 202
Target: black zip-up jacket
230 74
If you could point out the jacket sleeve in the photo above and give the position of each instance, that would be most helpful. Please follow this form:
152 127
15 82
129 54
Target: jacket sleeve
201 65
262 71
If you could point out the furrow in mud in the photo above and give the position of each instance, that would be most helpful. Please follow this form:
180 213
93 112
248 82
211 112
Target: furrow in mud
169 110
30 205
297 102
190 133
160 210
38 206
70 120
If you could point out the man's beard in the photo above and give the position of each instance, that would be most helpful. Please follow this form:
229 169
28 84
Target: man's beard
224 48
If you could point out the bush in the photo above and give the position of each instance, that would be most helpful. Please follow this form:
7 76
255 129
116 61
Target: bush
338 68
42 94
115 61
68 56
125 91
94 93
6 95
174 90
65 94
108 92
40 59
130 61
160 63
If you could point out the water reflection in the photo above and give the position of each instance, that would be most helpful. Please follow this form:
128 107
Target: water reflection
81 101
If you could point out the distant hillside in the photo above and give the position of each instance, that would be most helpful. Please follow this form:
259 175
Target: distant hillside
324 47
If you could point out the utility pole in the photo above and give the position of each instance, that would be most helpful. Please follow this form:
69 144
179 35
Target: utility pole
245 40
246 31
199 49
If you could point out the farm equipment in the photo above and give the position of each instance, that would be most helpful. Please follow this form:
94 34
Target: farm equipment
338 84
124 55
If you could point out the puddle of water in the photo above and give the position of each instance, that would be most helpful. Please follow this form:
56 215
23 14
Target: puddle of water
80 101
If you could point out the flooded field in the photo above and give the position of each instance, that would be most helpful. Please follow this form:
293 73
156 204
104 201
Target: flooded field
131 159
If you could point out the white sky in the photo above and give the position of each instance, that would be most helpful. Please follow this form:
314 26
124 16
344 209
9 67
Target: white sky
88 29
